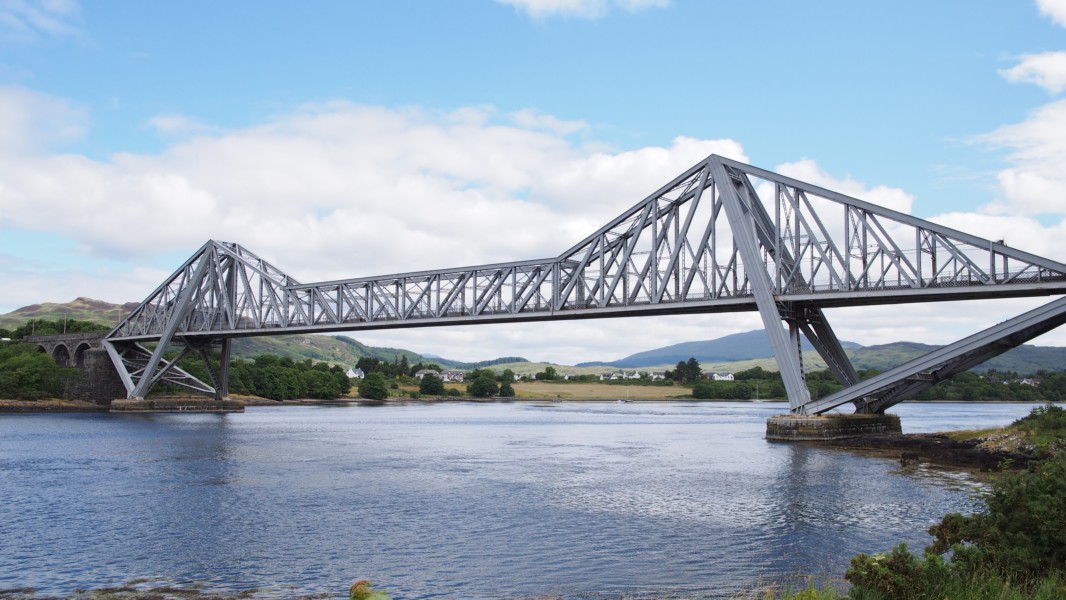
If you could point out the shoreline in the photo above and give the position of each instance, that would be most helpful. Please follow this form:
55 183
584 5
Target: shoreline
981 453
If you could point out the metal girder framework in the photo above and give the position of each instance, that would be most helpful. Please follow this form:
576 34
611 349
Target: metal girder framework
895 385
721 237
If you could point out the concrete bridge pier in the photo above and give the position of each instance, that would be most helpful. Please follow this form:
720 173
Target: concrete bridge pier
814 428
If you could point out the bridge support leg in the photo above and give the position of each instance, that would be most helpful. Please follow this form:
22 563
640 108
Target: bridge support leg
818 332
741 208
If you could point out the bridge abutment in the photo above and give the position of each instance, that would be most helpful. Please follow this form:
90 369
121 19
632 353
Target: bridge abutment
813 428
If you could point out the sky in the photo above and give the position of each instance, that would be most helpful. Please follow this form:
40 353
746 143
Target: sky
345 139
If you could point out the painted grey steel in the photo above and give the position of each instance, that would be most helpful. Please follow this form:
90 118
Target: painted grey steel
721 237
895 385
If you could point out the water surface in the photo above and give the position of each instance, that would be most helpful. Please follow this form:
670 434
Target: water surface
456 500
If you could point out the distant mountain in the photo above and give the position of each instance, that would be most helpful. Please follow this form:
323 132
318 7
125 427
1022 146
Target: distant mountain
1024 359
736 347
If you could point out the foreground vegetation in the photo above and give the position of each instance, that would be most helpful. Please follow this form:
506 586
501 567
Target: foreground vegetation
1013 548
26 374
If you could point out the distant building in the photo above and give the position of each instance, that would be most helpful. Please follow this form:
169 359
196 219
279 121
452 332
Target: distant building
722 376
424 372
450 375
355 374
630 375
658 375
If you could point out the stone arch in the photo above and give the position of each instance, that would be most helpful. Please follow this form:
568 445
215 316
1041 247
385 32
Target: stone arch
79 354
61 354
42 349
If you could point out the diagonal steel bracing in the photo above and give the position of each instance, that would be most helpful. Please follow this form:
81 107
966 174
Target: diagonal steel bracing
892 387
721 237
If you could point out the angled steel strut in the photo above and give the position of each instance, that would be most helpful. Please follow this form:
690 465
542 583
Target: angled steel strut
721 237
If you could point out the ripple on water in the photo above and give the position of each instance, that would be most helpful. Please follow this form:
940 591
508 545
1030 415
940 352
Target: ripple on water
441 501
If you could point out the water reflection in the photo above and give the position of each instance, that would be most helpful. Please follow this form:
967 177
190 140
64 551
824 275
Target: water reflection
482 501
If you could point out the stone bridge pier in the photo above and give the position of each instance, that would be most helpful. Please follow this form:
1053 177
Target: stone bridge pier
98 381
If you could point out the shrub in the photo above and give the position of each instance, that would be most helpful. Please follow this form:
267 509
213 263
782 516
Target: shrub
373 387
484 386
431 385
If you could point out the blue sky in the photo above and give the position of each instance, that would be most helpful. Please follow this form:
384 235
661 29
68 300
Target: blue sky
362 138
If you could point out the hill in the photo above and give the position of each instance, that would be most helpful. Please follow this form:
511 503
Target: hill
746 346
80 309
1025 359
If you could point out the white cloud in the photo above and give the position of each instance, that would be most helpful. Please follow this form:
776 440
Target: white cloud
341 190
1036 182
338 190
174 125
531 119
1055 9
31 20
586 9
808 170
1047 70
30 122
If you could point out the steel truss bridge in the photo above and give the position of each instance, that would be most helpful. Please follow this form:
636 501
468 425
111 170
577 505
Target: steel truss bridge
721 237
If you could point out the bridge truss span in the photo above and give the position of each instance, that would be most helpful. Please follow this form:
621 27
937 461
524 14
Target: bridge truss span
721 237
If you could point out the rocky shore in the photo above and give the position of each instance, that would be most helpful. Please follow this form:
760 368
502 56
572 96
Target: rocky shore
985 452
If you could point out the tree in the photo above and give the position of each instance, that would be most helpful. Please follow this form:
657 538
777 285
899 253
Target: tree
548 374
27 373
506 390
687 371
373 387
484 386
507 376
431 385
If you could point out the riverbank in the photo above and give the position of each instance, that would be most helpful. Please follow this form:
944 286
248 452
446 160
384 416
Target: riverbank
50 405
936 448
1012 447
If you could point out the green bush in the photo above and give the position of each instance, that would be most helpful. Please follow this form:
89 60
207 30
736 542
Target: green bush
1044 426
431 385
899 574
1020 534
484 386
1014 548
28 374
373 387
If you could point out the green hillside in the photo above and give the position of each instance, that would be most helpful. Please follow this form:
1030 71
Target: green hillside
79 309
1024 360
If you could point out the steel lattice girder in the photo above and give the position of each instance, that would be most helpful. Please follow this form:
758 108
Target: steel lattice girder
783 247
895 385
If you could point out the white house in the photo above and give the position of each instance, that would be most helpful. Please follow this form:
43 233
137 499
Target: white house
422 373
658 375
722 376
630 375
355 374
450 375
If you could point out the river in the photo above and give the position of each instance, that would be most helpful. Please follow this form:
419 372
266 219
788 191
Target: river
457 500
